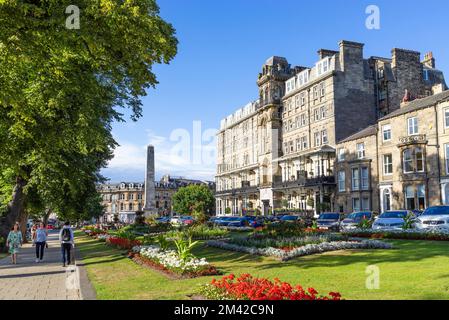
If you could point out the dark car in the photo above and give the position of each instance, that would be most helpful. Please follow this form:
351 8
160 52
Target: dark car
288 218
222 221
258 222
163 219
238 222
329 220
353 220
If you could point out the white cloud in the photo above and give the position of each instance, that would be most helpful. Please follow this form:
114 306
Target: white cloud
172 156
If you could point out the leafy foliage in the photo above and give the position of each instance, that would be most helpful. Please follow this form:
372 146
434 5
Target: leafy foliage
197 200
61 91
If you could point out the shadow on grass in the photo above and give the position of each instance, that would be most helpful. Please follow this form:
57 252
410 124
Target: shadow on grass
404 251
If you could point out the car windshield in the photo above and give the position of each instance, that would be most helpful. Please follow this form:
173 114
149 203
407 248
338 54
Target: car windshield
330 216
434 211
359 215
393 214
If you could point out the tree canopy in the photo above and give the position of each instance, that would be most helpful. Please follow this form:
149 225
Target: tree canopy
61 90
196 200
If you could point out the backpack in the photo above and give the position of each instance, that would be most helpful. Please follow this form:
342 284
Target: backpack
66 236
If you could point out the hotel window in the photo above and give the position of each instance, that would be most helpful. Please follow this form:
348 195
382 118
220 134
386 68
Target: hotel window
297 102
388 164
291 124
322 89
365 178
446 118
386 132
291 146
316 113
341 154
315 92
304 143
425 75
324 137
356 204
360 150
318 168
355 179
303 119
298 144
410 198
412 124
380 73
365 204
317 138
303 99
322 66
408 160
446 153
285 147
323 112
421 195
298 122
413 160
285 126
341 181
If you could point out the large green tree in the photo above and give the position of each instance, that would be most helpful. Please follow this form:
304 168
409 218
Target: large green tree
61 90
197 200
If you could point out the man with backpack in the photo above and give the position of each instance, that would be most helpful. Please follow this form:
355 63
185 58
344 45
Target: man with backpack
66 239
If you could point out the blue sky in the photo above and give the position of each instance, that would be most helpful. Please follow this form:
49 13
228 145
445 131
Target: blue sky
222 47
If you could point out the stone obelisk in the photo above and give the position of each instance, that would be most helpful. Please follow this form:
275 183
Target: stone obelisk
150 190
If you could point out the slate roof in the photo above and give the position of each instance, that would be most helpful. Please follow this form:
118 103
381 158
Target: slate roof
368 131
418 104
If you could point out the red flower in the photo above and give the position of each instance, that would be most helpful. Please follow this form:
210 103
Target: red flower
247 287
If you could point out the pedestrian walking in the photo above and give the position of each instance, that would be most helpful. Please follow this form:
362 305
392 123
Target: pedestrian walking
33 233
66 240
14 242
40 240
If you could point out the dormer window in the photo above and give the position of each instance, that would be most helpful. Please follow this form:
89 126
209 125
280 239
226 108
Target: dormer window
322 66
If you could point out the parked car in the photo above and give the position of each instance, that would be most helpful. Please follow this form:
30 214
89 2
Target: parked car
258 222
175 220
238 222
163 219
329 220
417 213
288 218
223 221
353 220
434 218
391 220
214 219
187 220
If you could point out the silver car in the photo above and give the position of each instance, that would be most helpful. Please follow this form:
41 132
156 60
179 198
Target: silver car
391 220
434 218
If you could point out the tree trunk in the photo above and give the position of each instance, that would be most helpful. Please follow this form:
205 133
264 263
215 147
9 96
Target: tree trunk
46 216
15 208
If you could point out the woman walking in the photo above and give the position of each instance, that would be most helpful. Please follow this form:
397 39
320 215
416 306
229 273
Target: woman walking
14 242
40 239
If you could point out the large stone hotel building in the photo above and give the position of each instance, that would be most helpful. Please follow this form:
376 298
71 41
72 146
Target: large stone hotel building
281 150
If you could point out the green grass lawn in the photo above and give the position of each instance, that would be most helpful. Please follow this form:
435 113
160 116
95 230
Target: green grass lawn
414 270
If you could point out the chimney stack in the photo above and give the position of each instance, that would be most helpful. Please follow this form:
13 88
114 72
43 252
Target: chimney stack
429 60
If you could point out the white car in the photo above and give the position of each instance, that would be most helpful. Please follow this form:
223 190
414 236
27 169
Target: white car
391 220
175 220
434 218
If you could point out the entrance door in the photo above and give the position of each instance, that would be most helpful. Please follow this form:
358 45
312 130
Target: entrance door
386 201
266 206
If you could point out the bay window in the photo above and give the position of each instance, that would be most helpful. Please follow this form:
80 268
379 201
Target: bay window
355 179
341 181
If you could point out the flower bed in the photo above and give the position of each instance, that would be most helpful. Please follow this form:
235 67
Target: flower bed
286 242
122 243
169 262
248 288
410 234
308 249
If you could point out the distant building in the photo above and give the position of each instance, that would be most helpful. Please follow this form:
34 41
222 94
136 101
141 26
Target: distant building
125 198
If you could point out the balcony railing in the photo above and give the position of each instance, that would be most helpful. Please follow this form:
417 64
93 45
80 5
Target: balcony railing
302 181
415 139
238 191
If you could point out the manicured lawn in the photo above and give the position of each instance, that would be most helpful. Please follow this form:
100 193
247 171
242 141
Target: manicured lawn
414 270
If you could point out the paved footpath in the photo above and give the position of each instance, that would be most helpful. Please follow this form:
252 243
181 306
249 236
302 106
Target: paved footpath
46 280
